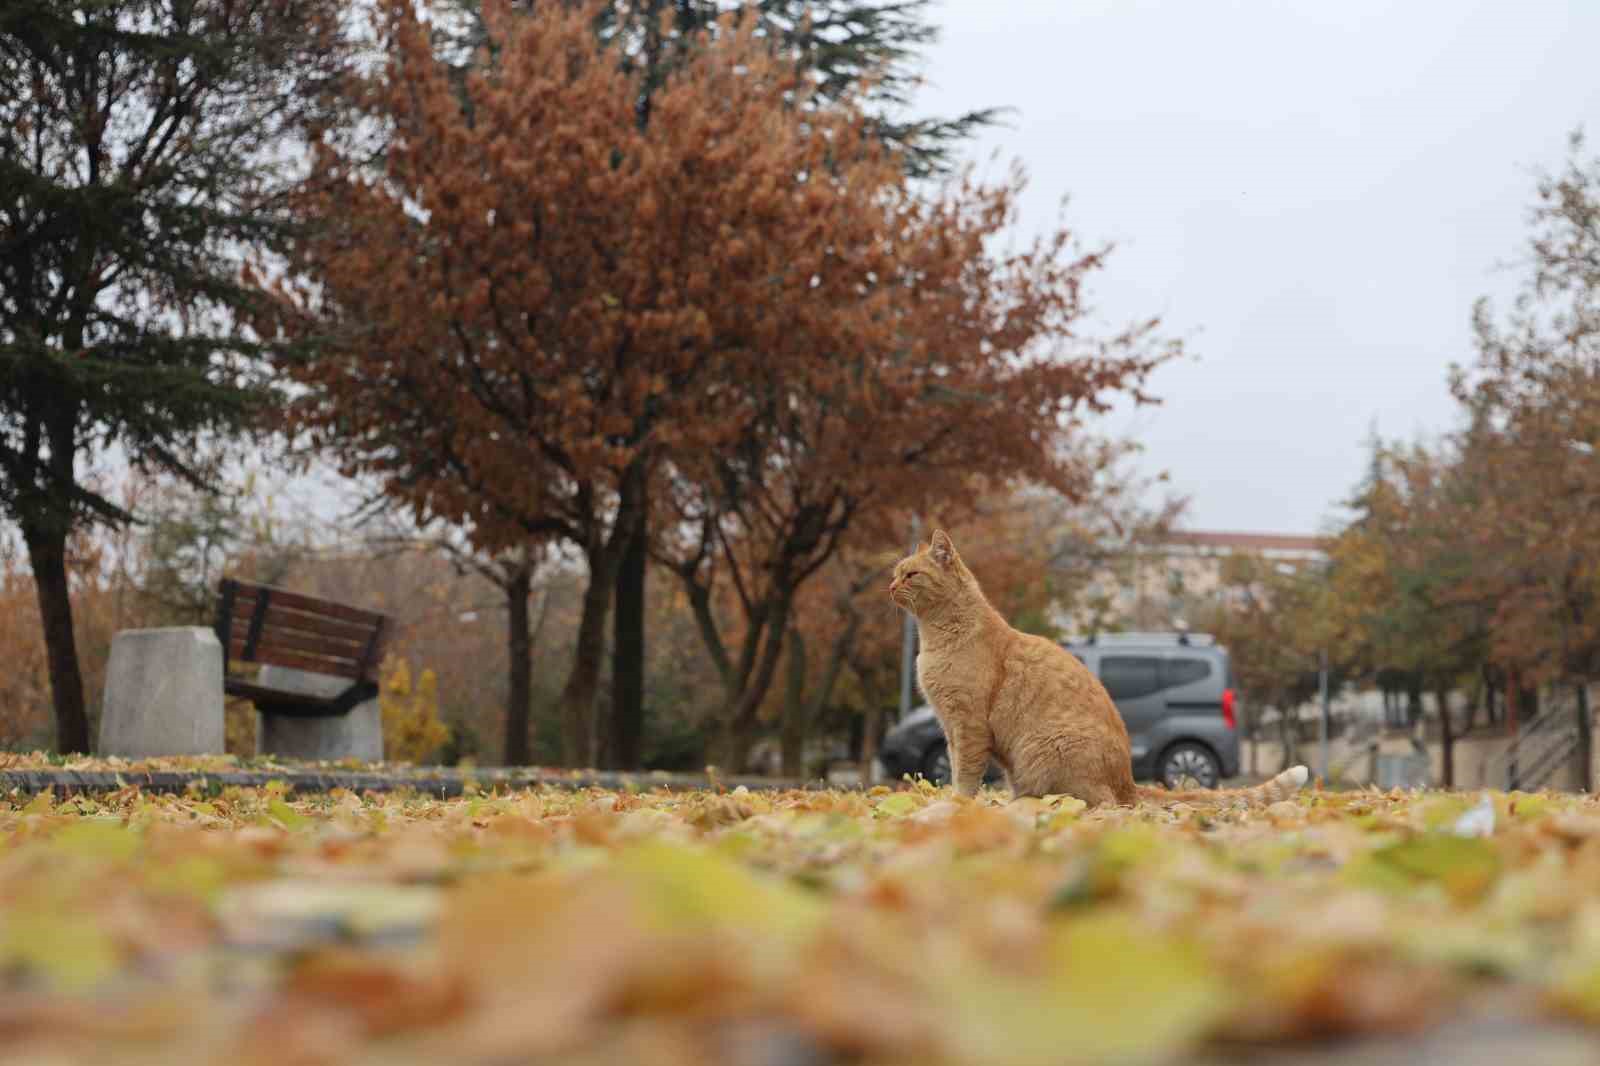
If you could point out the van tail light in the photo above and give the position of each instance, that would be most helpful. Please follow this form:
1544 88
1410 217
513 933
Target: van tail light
1227 709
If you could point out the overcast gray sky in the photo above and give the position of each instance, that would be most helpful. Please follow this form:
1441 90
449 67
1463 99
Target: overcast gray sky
1311 194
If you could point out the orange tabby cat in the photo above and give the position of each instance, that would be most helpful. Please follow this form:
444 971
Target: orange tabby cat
1021 699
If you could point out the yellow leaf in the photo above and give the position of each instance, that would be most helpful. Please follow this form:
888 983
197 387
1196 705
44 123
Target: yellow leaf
1099 873
1464 866
200 876
688 887
99 838
285 815
71 951
1114 993
898 805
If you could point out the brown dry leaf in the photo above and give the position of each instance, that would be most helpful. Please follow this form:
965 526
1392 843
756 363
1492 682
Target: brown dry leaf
384 998
542 960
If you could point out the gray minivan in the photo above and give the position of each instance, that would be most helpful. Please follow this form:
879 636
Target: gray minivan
1174 691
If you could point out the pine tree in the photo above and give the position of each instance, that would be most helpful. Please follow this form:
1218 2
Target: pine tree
842 45
143 147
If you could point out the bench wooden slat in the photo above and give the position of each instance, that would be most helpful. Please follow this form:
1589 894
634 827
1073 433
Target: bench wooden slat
289 641
345 643
272 653
294 621
311 663
297 602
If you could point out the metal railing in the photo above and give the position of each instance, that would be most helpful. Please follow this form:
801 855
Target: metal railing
1541 748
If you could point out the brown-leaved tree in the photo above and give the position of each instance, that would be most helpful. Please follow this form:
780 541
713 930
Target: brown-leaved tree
971 378
541 310
528 317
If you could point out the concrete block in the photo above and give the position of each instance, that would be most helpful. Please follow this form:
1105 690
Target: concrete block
163 694
357 735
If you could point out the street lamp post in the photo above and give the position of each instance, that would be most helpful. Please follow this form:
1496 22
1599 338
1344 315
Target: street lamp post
908 639
1322 693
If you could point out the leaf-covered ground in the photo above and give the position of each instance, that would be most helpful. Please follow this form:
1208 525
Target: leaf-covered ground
791 927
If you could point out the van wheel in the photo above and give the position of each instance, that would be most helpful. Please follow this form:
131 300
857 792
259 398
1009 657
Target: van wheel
1189 765
936 764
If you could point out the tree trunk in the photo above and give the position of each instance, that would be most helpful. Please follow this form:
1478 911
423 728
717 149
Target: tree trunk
801 713
870 729
578 695
519 699
795 711
1252 733
744 706
1527 702
729 749
47 555
744 685
579 724
1585 754
627 655
1447 740
1511 706
1413 704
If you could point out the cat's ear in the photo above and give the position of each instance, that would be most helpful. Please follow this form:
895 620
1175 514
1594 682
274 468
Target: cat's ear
942 550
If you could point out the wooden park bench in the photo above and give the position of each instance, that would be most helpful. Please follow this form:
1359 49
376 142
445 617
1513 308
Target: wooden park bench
266 625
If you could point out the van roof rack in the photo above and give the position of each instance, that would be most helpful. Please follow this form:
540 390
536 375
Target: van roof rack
1166 637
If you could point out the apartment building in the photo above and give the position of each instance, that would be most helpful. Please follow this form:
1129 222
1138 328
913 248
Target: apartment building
1156 586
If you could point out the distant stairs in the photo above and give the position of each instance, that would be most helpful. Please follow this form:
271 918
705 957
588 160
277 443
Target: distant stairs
1541 748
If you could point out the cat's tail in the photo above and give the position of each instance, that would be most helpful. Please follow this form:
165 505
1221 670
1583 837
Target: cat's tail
1281 787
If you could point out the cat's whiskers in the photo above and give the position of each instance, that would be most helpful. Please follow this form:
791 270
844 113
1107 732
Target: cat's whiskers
895 594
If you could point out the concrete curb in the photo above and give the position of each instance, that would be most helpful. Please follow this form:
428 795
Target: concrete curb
440 781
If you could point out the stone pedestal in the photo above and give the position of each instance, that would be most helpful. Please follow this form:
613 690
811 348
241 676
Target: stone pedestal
357 735
163 694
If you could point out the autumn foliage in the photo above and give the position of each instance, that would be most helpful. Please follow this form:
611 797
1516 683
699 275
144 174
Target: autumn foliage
1503 513
542 314
412 730
1471 563
588 310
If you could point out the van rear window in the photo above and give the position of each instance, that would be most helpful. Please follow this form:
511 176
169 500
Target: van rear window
1175 672
1131 677
1128 677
